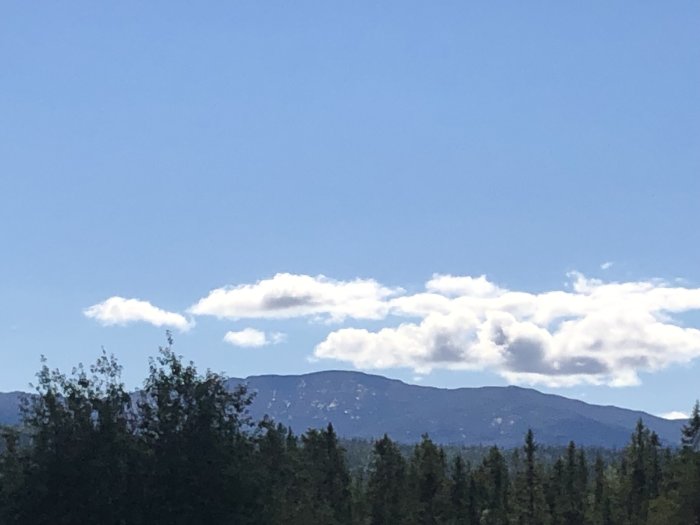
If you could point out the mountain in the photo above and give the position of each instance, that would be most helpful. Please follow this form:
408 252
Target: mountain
9 408
366 406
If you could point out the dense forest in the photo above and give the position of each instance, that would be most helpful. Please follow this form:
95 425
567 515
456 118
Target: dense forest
184 451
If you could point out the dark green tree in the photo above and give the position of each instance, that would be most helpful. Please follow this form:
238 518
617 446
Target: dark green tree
275 468
199 458
386 484
77 469
690 433
324 473
463 509
493 486
600 509
531 507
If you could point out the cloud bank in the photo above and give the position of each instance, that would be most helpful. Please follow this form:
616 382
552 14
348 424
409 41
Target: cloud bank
588 332
595 332
120 311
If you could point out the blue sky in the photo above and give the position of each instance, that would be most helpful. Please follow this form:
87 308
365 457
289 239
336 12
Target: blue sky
161 150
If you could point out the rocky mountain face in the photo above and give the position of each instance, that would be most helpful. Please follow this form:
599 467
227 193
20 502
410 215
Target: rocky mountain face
367 406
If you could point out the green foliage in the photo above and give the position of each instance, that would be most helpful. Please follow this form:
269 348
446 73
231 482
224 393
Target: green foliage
387 483
183 450
690 434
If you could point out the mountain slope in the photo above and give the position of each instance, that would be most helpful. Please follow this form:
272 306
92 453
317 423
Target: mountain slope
366 406
9 408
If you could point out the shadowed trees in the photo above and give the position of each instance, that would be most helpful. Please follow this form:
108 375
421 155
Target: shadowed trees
183 450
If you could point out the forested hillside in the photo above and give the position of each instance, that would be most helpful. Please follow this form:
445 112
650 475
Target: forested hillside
187 452
367 406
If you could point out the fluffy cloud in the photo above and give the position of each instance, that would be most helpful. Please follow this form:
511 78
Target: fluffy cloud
596 333
250 337
450 285
590 331
288 295
121 311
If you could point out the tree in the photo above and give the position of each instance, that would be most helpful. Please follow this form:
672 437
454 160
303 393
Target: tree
567 488
601 511
492 481
11 475
275 468
325 475
386 485
77 467
428 483
531 505
199 457
690 433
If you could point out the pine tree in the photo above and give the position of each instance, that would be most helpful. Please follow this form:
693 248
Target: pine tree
428 483
493 486
275 472
462 495
531 505
601 512
690 433
327 498
386 486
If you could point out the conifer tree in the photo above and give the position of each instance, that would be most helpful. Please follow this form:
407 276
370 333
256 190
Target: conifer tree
462 497
386 486
275 472
428 483
493 485
325 474
531 505
601 512
690 433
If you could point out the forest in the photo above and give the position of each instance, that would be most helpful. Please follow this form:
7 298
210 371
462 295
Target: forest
183 450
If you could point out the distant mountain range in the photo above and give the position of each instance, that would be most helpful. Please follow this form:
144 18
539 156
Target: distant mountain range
366 406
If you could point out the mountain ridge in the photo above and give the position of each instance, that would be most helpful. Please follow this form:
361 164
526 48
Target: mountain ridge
366 406
416 409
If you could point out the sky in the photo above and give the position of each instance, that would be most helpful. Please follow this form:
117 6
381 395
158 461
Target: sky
453 194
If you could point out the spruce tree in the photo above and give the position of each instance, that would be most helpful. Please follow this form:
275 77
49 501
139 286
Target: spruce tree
461 497
428 483
327 498
690 433
386 485
493 484
531 505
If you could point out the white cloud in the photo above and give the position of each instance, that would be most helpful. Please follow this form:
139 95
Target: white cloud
674 414
606 265
596 333
449 285
288 295
588 332
121 311
250 337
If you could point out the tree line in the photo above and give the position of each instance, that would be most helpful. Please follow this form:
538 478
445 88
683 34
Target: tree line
183 450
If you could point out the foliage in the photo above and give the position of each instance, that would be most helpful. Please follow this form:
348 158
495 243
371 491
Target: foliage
183 450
